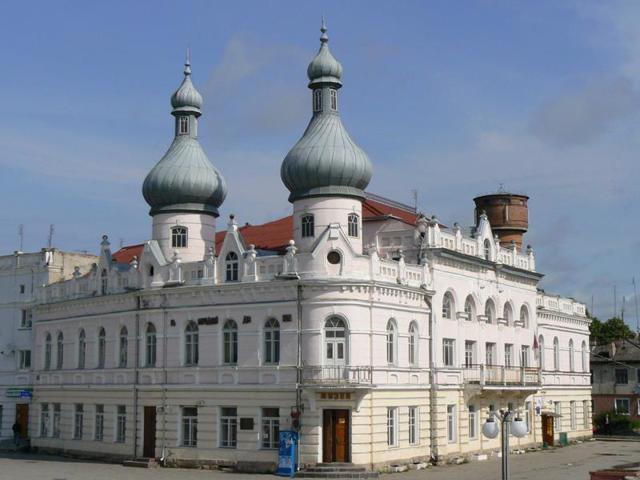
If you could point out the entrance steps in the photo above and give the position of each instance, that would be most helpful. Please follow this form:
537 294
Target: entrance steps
140 462
336 470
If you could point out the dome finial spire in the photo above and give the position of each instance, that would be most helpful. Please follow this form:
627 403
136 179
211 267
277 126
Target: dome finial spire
324 38
187 63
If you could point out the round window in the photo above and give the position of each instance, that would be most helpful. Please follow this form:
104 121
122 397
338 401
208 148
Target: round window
334 257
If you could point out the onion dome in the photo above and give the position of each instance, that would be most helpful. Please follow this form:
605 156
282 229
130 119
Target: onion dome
324 68
187 97
325 161
184 180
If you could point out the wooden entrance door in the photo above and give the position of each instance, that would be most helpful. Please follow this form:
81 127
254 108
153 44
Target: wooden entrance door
22 419
149 442
547 430
335 436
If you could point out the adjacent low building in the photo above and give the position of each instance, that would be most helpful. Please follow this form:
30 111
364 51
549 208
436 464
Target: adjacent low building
380 334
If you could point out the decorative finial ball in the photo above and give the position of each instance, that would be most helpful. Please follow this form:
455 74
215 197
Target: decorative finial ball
232 216
292 242
105 237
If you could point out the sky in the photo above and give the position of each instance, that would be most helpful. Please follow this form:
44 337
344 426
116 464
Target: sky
451 99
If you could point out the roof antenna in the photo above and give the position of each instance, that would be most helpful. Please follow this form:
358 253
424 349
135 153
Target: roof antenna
187 62
20 236
52 229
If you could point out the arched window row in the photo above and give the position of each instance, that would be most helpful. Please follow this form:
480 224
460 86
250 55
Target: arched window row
557 355
489 311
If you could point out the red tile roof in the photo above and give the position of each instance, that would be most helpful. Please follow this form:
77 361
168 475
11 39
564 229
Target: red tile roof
126 254
275 235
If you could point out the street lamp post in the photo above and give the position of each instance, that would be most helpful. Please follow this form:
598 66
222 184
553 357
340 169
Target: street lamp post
516 427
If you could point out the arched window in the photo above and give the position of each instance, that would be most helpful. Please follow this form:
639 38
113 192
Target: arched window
487 249
542 352
102 347
524 316
572 357
230 340
184 125
104 281
413 344
490 311
585 357
82 349
60 348
353 222
334 99
470 308
307 225
179 237
392 339
232 266
191 344
47 351
123 348
272 341
317 100
151 345
507 314
556 354
335 334
448 306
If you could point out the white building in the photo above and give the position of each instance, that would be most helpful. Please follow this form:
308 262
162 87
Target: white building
21 275
387 335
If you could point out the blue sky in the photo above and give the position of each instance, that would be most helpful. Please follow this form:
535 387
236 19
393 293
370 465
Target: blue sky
449 98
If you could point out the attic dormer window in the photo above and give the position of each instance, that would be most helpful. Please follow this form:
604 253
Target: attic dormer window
334 99
183 125
179 237
317 100
353 221
307 226
487 250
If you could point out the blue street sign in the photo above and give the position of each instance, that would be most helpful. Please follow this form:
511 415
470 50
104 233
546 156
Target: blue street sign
26 394
287 461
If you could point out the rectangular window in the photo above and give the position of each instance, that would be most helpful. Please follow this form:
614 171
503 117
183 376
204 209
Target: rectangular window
22 289
490 353
228 427
78 419
25 318
586 417
469 353
473 422
414 426
25 359
307 226
353 221
572 413
184 125
99 423
524 356
44 420
557 406
317 100
189 427
508 355
451 423
622 376
622 406
270 428
334 99
55 433
121 424
527 416
392 426
448 351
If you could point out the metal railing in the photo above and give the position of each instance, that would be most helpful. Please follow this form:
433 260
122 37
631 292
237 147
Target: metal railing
501 375
337 375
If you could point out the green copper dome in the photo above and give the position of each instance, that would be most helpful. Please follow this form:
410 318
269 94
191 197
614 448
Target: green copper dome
184 180
325 161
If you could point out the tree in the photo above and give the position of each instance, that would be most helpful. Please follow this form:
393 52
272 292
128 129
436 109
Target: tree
609 331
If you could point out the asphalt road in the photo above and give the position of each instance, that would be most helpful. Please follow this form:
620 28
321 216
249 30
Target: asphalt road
574 462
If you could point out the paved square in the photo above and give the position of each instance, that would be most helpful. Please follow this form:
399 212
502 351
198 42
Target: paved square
572 462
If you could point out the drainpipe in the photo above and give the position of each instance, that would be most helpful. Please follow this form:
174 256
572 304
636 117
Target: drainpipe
433 403
371 288
299 361
136 374
163 458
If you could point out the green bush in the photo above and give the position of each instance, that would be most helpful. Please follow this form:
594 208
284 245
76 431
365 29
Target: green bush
618 424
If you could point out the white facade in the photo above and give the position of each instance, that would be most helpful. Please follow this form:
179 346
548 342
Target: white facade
21 277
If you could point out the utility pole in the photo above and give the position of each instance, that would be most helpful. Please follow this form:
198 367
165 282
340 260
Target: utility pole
615 302
20 236
635 299
52 229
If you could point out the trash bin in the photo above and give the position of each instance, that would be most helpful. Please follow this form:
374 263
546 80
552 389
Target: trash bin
564 439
